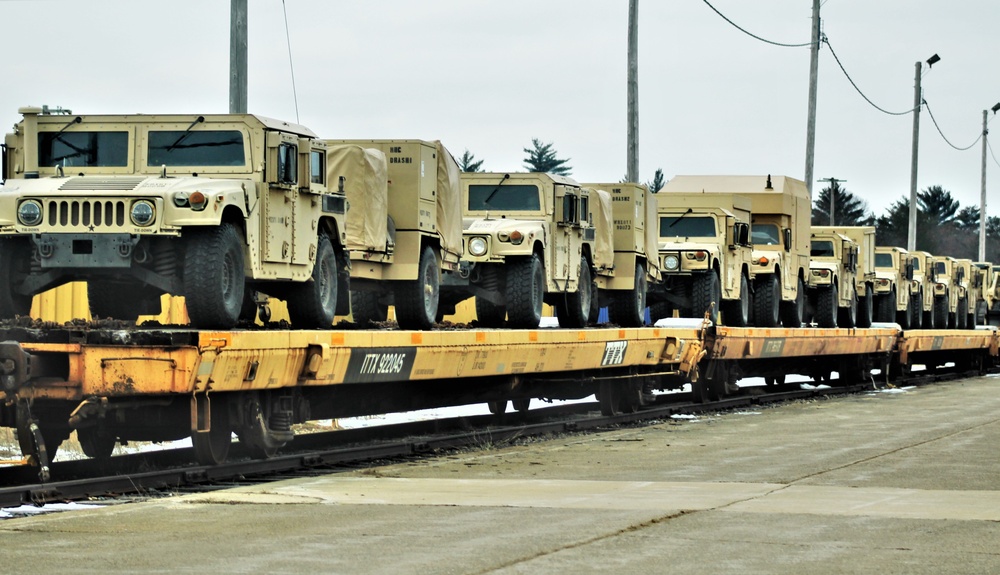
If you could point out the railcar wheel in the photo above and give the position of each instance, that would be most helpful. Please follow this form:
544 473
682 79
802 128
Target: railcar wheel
628 309
15 264
522 405
864 318
366 308
525 292
792 311
214 279
766 300
489 314
417 301
609 398
737 312
498 407
312 304
826 307
212 447
574 308
96 442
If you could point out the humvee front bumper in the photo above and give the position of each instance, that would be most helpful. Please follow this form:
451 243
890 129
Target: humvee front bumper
85 250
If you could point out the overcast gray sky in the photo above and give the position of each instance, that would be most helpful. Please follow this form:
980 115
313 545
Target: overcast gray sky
490 75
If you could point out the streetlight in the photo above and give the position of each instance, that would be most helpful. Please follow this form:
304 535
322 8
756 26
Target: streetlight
911 236
982 191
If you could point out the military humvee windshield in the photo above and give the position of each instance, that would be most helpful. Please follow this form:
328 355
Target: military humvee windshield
940 268
765 234
687 227
505 198
822 249
883 261
83 149
201 148
916 264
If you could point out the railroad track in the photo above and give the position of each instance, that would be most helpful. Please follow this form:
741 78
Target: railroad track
170 471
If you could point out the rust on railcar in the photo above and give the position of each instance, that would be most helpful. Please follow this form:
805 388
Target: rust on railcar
760 343
926 340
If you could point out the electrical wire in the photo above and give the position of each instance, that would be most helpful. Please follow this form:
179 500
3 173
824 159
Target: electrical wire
990 146
849 79
737 26
926 103
288 39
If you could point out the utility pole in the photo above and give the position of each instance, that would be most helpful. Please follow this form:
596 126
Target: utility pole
238 57
833 195
813 82
633 91
911 233
982 198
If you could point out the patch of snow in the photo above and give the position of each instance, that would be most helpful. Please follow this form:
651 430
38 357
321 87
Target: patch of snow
680 322
687 416
811 386
548 322
26 510
746 413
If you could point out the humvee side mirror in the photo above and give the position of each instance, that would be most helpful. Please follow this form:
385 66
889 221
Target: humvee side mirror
788 239
570 215
743 234
909 271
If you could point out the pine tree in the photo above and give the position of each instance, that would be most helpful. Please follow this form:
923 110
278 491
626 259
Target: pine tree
542 158
658 181
469 163
849 210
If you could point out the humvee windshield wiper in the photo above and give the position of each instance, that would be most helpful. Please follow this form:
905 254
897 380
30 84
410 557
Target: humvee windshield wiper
680 217
75 120
199 120
79 151
496 189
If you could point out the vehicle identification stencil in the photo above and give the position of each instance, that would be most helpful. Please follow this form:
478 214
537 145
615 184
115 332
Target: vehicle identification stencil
368 365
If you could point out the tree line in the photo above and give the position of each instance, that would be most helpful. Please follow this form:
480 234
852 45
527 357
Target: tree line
944 227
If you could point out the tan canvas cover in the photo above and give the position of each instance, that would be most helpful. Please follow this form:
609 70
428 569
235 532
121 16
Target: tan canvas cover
652 235
367 188
449 203
604 244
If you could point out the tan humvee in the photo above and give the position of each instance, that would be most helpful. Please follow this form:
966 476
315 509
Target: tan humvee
949 279
208 207
922 287
629 209
896 300
528 240
856 295
705 255
780 231
984 297
971 292
833 269
407 229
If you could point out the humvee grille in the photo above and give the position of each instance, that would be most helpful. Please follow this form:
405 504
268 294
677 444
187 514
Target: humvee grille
115 184
109 213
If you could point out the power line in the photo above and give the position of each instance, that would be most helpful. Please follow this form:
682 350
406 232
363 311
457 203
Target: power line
752 35
990 146
926 103
849 79
288 39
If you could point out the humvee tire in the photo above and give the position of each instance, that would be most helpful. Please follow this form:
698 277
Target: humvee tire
488 314
417 300
628 309
574 308
366 308
706 294
792 311
525 291
940 312
848 316
765 302
214 280
313 304
14 264
885 311
826 307
736 312
865 308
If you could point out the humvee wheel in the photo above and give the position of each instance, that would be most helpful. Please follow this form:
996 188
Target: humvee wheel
916 311
313 304
960 314
765 302
848 315
706 294
865 308
826 307
14 268
903 317
525 290
574 309
792 311
366 308
629 308
736 312
885 311
660 310
939 312
96 442
214 279
488 314
417 301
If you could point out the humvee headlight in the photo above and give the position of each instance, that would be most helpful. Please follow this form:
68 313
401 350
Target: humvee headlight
478 246
143 213
29 213
671 262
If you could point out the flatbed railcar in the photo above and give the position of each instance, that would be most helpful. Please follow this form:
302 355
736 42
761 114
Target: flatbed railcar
163 383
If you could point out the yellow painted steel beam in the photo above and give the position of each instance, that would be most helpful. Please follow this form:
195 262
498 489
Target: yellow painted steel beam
761 343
